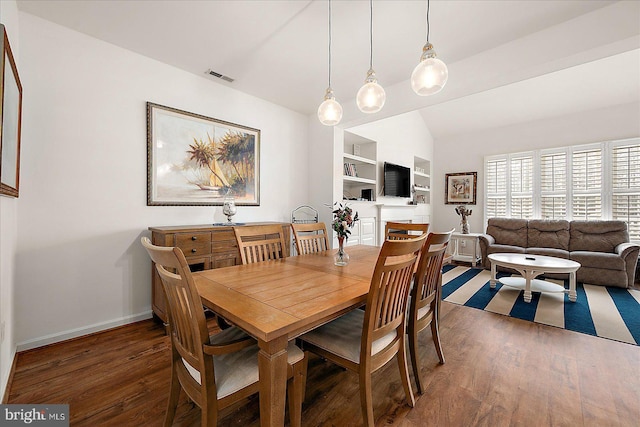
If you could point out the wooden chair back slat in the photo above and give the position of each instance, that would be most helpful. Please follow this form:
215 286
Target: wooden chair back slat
310 238
402 230
387 300
259 243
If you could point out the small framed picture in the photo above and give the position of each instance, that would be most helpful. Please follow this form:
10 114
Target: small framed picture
460 188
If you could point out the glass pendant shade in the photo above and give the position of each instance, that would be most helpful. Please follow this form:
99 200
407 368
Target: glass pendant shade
430 75
330 111
371 96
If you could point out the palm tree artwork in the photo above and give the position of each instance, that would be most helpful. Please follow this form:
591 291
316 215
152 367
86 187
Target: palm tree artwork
230 162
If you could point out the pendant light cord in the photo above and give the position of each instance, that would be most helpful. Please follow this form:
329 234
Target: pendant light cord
427 21
370 34
329 43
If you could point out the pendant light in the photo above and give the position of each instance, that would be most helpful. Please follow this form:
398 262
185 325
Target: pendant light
430 75
330 111
371 96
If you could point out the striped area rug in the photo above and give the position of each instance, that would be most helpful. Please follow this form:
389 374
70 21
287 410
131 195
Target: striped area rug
606 312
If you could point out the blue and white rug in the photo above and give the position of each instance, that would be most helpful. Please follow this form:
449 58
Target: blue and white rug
606 312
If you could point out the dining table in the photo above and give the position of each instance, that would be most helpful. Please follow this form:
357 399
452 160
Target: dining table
277 301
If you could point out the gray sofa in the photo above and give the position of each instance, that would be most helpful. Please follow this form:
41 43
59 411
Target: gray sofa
601 247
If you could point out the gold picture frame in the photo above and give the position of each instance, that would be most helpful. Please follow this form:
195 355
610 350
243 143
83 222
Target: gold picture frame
194 160
11 112
460 188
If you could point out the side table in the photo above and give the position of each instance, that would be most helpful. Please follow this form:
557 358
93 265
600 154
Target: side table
471 244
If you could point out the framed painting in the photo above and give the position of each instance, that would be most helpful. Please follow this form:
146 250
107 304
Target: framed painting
193 160
460 188
11 112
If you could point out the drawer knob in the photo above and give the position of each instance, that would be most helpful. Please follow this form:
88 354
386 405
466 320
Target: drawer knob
193 250
194 238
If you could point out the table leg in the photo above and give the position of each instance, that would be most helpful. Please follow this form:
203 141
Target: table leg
492 282
272 363
573 295
527 288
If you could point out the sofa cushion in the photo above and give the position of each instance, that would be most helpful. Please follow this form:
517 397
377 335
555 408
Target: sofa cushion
496 249
548 234
508 231
558 253
597 236
601 260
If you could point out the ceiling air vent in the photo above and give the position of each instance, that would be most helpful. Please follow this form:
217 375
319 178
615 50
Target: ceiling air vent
220 76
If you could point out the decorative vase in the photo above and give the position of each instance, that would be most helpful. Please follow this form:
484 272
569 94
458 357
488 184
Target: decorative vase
465 226
341 257
229 208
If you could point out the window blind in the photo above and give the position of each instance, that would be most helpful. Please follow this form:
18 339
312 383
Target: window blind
625 179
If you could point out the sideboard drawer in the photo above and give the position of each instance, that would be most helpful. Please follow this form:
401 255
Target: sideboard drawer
194 243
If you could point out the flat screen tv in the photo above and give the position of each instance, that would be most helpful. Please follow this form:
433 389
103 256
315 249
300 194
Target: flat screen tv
397 180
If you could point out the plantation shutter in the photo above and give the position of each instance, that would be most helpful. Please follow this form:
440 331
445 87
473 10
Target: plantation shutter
553 185
625 179
587 184
496 188
521 202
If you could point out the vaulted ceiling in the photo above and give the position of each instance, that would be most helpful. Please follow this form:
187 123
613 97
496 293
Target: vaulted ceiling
538 57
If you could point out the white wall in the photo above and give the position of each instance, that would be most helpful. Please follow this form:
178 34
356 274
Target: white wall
465 153
82 209
8 227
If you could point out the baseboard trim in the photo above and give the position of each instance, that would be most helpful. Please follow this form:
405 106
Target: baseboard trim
78 332
7 386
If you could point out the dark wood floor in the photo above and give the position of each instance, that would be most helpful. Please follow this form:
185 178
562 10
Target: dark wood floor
499 372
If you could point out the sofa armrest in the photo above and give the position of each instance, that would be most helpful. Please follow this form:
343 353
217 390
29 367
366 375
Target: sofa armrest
629 253
485 241
626 249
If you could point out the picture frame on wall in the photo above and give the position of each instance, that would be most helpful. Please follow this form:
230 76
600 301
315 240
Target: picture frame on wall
11 112
460 188
194 160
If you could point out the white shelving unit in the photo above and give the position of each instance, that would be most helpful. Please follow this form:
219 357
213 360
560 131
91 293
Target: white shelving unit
421 180
359 166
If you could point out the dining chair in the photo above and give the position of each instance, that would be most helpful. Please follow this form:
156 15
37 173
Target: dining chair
258 243
364 341
424 305
404 230
310 238
214 371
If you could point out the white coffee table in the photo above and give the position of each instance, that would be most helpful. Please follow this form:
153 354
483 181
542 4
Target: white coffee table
530 267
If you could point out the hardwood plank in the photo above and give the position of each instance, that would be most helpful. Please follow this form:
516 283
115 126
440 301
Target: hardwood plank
500 371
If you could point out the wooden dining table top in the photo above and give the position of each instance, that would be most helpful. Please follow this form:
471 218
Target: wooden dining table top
288 296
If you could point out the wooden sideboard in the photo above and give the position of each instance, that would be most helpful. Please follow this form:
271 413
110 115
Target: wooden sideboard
204 246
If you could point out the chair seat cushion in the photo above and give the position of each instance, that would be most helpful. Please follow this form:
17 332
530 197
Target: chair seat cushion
343 336
239 369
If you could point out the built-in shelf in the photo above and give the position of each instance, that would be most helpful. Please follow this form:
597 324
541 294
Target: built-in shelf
421 180
357 180
359 159
360 177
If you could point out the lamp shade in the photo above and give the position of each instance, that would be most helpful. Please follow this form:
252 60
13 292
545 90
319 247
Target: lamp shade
371 96
330 111
430 75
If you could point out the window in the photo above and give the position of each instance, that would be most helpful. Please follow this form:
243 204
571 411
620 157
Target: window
496 188
598 181
625 180
522 186
553 185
